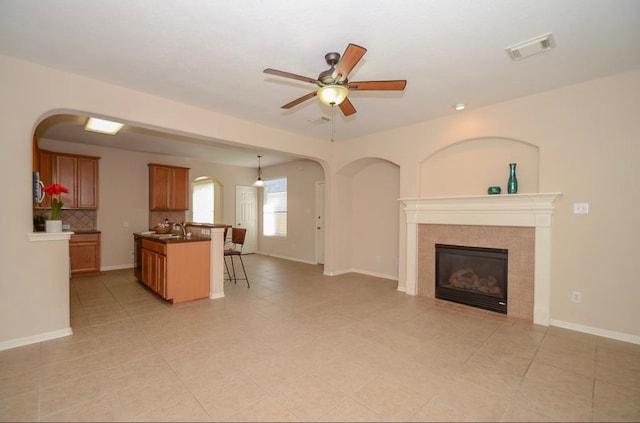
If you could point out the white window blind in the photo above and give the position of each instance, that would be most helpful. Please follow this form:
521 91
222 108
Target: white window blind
274 209
203 201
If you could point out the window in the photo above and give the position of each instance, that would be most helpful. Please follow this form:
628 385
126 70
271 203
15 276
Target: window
203 200
274 209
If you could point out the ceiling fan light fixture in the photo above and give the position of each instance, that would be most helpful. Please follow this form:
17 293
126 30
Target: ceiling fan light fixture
102 126
332 95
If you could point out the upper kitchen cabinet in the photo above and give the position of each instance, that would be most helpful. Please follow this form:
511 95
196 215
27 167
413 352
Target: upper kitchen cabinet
79 174
168 187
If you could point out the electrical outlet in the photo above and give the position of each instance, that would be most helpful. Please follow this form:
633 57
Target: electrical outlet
131 254
378 259
576 296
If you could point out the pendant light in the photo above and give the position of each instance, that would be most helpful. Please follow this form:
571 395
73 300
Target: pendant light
259 182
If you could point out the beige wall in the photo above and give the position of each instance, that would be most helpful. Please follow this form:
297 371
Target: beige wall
587 136
374 219
34 297
124 193
299 244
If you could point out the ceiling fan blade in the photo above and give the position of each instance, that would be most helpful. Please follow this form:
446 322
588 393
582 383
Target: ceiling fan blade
299 100
290 75
348 61
397 85
347 108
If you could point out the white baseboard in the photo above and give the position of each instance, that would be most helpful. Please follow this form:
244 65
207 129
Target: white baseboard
116 267
362 272
619 336
216 295
375 275
337 272
33 339
286 257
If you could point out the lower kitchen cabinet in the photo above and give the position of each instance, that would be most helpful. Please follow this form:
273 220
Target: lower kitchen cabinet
154 267
177 271
84 254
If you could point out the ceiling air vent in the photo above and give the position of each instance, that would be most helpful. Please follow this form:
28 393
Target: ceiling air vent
320 120
530 47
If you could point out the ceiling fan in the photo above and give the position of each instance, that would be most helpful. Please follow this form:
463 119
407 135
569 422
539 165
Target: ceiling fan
334 84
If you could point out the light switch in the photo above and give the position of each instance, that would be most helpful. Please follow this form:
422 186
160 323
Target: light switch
580 208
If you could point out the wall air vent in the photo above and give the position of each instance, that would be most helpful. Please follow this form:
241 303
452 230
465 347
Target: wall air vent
530 47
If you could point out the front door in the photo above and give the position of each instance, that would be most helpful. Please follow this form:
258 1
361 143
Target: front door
247 216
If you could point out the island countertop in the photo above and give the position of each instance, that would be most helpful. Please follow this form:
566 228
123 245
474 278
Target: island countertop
171 238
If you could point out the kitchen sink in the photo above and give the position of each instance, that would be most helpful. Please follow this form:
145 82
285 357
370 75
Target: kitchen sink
165 236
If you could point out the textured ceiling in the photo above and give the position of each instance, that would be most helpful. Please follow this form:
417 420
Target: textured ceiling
212 53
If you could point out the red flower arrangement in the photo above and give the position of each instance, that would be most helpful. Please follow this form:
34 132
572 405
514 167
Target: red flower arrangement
54 190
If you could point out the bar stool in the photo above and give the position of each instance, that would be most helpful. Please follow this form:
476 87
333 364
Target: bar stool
235 250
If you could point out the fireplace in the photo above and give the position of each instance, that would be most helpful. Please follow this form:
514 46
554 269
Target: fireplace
476 214
473 276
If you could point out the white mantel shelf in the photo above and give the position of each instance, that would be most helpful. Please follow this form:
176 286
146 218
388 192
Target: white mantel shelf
527 210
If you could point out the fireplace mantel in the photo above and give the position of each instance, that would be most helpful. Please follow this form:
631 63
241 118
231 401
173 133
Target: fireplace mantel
526 210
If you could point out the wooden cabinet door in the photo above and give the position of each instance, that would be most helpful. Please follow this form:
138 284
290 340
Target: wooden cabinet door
161 275
87 183
84 253
159 187
149 268
45 159
168 187
65 174
180 189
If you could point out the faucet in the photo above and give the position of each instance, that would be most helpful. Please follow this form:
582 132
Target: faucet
182 228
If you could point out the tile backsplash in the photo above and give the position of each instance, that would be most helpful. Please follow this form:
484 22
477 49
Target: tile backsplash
77 219
159 216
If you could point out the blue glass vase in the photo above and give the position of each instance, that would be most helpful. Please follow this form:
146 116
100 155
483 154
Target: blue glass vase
512 184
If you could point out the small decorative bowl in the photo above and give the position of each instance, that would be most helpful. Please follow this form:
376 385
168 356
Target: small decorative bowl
493 190
162 229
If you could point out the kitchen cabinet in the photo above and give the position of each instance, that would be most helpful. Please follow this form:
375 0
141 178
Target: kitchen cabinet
154 266
79 174
84 254
178 271
45 169
168 187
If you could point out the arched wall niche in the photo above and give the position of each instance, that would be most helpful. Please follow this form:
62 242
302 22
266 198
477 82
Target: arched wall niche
469 167
366 195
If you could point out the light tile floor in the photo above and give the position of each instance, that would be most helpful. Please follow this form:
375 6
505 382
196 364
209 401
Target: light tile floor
300 346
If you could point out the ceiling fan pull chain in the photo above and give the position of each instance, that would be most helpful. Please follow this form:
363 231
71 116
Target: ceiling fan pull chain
333 120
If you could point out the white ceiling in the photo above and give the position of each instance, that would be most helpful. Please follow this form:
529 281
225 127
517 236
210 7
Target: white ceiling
212 54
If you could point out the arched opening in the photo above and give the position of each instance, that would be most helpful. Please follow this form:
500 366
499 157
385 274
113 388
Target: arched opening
206 200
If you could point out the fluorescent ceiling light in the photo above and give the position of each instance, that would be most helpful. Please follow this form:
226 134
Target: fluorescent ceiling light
530 47
102 126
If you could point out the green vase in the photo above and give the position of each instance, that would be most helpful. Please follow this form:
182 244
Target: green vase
512 184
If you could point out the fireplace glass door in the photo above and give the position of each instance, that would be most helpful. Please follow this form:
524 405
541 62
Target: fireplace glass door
472 275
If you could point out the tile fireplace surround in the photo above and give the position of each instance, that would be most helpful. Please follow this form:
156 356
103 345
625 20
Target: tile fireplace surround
471 216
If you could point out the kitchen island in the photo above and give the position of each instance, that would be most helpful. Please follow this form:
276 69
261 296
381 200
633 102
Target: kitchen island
175 267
